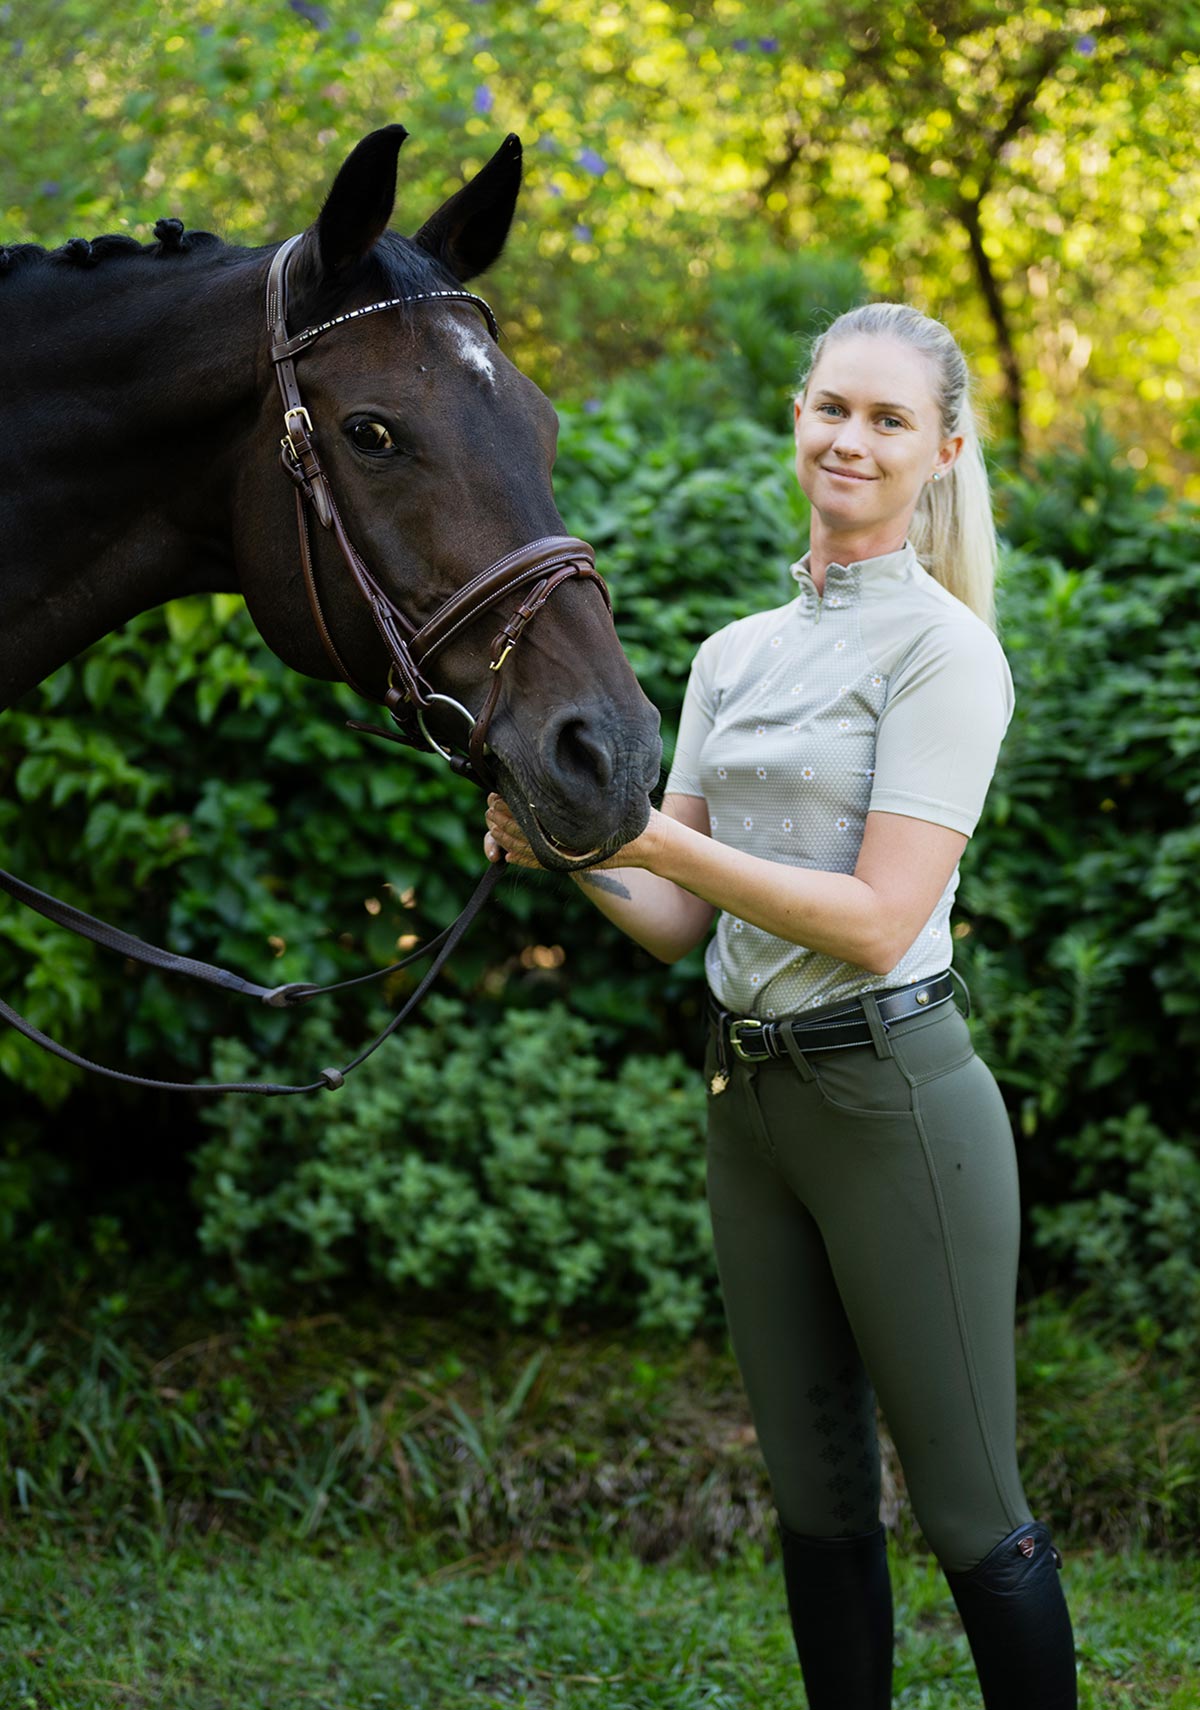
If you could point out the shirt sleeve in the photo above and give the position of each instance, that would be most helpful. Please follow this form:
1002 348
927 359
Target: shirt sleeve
695 722
949 703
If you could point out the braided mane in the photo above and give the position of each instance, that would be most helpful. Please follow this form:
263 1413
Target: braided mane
172 239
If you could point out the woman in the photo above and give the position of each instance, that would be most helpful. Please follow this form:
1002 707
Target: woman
833 759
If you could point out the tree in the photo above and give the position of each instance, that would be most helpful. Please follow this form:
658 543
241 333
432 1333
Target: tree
1029 173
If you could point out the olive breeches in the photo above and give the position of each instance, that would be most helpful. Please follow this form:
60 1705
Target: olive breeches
865 1213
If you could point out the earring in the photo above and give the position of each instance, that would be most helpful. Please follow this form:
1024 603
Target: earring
936 476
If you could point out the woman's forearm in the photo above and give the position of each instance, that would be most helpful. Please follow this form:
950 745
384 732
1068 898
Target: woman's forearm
834 913
666 921
652 911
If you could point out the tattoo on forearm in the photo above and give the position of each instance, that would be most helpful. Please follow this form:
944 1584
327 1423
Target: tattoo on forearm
606 882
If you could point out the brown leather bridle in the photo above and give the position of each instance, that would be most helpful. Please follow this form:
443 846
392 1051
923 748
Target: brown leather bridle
540 566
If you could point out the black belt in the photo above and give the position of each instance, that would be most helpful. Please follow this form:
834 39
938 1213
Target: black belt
840 1027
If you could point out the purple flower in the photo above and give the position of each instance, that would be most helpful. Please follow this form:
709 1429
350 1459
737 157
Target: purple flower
741 45
312 14
51 187
769 44
583 234
591 162
554 190
484 99
592 407
205 30
1086 45
353 38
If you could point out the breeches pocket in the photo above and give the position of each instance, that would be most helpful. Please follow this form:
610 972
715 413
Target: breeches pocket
924 1048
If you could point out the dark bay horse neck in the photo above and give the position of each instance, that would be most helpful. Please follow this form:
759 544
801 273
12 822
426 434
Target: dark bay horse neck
128 387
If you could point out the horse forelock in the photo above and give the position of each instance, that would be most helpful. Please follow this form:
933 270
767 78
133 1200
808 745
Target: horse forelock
404 267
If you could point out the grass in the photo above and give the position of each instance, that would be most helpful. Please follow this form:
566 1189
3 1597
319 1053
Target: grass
209 1627
344 1511
372 1425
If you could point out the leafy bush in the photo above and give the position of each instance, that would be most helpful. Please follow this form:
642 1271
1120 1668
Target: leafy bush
696 523
498 1159
1081 885
1078 924
1108 1433
1135 1237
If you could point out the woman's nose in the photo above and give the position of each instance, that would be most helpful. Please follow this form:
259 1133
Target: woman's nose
848 441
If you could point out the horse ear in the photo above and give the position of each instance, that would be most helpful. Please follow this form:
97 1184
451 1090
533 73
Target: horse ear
359 206
467 233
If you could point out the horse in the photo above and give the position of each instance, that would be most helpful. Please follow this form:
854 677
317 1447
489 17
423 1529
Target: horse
140 451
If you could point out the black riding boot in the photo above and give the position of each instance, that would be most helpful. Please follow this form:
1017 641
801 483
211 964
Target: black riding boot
840 1601
1017 1623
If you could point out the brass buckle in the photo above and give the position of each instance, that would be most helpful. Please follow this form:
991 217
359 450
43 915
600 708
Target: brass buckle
735 1038
287 439
298 410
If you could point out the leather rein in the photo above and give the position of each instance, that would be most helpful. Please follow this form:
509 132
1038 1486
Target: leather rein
534 571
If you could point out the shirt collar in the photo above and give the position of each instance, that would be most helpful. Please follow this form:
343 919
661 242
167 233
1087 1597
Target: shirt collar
847 581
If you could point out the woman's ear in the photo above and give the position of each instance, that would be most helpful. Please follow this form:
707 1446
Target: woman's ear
948 454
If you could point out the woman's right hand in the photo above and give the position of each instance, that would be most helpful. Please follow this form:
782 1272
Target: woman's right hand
504 836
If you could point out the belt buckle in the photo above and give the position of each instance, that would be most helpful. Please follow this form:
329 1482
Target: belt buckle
735 1038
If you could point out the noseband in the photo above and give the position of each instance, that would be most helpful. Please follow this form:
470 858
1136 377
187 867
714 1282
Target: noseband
540 566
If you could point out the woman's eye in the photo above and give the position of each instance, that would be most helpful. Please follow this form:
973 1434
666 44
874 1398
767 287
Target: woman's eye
371 436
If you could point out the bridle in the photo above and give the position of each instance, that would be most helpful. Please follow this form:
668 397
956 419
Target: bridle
541 566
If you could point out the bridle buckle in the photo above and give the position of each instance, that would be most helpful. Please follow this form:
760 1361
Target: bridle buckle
306 425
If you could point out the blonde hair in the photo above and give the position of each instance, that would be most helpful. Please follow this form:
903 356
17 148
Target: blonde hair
952 531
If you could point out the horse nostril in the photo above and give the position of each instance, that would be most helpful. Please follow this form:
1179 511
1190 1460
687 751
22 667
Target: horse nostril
577 750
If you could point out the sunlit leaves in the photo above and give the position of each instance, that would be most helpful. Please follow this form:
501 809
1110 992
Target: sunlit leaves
686 144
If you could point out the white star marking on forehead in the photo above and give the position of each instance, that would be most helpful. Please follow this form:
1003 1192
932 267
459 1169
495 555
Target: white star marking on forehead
473 350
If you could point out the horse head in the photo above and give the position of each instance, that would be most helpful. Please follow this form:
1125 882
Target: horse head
435 455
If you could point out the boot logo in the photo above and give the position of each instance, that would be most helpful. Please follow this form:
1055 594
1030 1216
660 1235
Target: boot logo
1027 1547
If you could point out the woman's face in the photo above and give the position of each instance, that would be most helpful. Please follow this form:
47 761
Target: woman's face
868 435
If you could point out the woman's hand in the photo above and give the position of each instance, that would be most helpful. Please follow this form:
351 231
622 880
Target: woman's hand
503 833
504 836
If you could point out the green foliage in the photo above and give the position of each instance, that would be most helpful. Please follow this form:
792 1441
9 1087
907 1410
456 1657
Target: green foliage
765 317
266 870
1078 923
695 521
1079 889
497 1159
1027 171
1108 1432
1134 1237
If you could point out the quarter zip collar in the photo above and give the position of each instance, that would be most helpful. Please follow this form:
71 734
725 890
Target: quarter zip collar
846 584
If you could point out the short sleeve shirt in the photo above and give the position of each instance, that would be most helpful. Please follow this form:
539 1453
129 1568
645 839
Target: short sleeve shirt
886 692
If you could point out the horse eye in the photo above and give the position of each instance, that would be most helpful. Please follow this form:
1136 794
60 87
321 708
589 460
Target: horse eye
371 436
